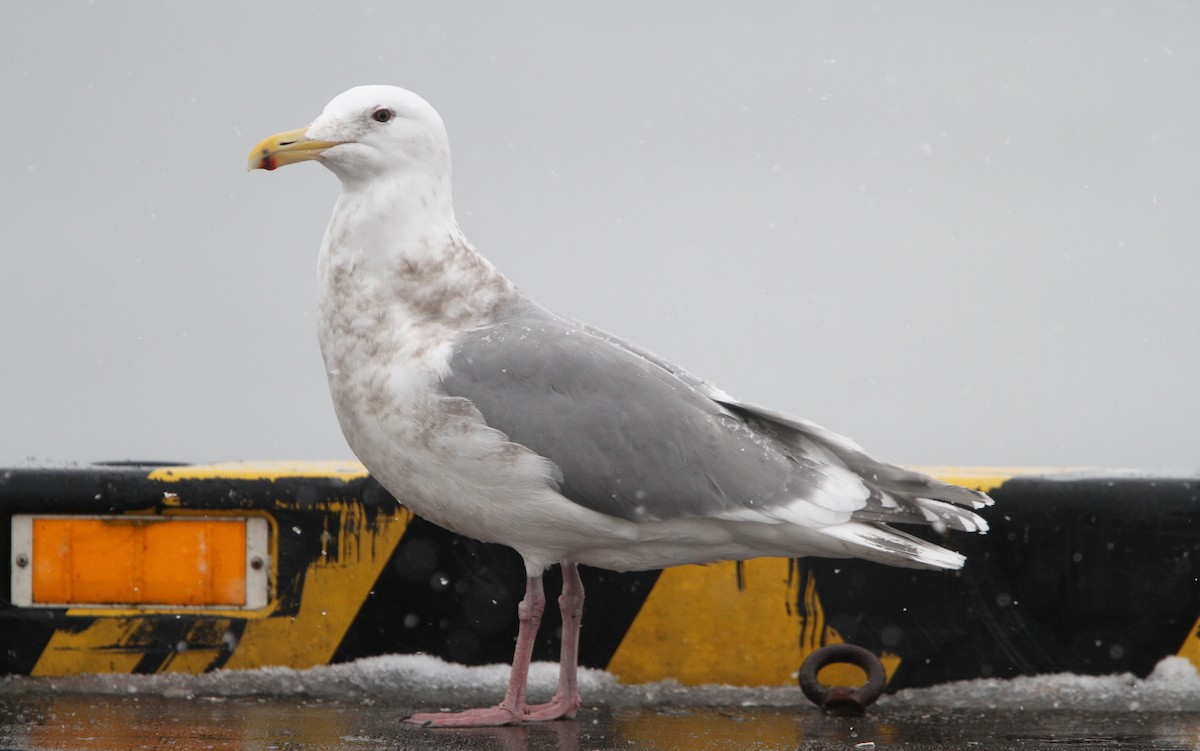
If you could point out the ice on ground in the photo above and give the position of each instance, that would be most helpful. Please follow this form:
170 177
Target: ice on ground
389 676
420 680
1173 686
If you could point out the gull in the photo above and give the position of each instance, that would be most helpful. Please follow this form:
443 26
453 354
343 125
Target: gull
497 419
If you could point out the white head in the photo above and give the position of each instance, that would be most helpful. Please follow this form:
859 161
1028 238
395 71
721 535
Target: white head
366 134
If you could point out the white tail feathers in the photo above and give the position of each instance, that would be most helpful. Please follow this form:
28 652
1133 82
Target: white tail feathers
876 542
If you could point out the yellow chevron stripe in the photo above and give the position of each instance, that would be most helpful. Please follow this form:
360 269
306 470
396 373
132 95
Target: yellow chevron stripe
334 591
271 470
697 626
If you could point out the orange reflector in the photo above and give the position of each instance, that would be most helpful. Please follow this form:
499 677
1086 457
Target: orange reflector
155 561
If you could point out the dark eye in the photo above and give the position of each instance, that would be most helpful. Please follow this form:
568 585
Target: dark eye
382 115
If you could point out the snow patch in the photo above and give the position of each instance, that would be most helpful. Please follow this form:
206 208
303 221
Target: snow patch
421 680
1173 686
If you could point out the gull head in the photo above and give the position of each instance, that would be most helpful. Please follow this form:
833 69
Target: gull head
364 134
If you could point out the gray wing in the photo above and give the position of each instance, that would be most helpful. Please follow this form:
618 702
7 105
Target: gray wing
897 494
634 437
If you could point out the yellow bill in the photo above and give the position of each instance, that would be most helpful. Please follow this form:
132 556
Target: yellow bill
286 148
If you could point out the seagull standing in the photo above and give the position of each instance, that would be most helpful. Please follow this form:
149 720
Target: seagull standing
497 419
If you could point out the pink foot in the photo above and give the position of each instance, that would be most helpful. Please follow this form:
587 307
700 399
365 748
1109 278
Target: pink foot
472 718
559 708
513 710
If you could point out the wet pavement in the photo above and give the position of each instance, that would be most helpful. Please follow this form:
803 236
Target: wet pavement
116 723
359 706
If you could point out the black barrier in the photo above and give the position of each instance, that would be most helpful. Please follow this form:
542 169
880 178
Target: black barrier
1089 573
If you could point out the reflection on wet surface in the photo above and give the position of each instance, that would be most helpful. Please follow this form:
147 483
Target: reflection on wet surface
113 723
105 722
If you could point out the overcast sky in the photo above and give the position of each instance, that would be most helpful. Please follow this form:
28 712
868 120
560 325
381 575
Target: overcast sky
956 232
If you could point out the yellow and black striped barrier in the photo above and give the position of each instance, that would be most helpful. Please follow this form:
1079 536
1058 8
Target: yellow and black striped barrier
134 568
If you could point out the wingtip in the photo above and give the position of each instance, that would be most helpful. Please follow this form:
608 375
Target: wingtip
883 544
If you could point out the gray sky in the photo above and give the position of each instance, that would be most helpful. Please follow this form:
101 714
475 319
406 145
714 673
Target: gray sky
956 232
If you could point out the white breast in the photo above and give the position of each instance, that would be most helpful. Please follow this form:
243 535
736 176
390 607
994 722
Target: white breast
387 328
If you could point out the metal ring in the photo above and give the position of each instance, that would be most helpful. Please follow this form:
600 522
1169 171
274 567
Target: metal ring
842 699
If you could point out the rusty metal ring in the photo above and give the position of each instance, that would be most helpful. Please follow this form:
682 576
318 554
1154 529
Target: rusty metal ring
842 699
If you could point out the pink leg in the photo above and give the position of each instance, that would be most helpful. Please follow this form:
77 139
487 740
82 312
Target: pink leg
512 709
566 699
